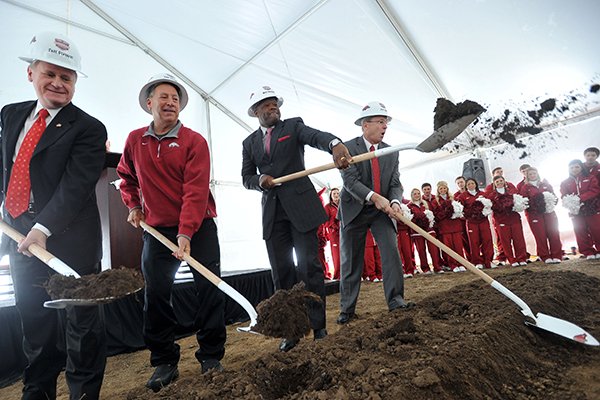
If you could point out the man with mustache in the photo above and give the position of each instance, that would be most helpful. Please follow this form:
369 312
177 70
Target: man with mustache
165 169
371 195
291 212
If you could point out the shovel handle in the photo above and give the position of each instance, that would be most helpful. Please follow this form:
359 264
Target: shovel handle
205 272
355 159
42 254
488 279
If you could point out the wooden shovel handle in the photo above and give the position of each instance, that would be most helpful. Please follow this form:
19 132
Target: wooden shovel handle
355 159
44 255
444 248
205 272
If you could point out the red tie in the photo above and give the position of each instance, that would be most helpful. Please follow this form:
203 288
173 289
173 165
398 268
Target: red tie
268 141
376 175
19 186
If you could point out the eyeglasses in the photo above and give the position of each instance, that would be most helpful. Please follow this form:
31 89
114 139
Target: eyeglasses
381 122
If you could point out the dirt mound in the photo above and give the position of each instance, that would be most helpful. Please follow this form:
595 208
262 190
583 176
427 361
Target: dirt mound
468 342
446 111
285 314
116 282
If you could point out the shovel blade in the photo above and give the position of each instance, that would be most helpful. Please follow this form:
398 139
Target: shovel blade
446 133
63 303
563 328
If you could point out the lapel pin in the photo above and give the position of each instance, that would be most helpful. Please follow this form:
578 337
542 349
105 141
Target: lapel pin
58 125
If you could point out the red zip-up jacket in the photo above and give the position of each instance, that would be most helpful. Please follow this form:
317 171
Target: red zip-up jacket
586 187
169 178
531 191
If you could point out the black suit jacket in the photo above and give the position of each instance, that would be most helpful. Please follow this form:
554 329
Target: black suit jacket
298 197
64 169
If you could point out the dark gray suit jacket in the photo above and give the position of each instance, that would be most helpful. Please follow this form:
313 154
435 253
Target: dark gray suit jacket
358 182
64 169
298 197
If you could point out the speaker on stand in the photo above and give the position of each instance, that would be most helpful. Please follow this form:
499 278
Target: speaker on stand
474 168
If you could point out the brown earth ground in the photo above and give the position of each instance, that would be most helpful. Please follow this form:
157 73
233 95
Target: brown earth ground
463 341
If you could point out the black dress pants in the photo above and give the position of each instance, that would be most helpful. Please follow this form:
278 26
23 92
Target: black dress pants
159 268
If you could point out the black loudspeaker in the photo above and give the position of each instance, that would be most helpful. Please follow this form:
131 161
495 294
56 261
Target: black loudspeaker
474 168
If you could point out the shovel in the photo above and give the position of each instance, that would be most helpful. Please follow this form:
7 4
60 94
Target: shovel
214 279
58 266
542 321
435 141
45 256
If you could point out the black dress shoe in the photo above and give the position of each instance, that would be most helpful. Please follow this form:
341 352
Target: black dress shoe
404 306
162 376
344 318
288 344
320 333
211 365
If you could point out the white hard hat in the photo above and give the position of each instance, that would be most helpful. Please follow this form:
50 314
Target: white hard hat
263 92
372 109
157 79
56 49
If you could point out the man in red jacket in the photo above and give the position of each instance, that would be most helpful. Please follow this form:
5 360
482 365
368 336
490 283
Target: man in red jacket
591 161
165 169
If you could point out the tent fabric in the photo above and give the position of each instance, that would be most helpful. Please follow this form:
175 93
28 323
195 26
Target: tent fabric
327 58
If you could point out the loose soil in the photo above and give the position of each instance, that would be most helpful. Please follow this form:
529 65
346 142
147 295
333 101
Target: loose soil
446 111
285 314
464 340
112 283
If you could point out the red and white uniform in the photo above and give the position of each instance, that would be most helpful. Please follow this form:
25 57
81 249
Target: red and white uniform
509 226
544 226
421 244
372 266
593 169
488 190
332 229
450 229
478 229
586 224
466 245
405 247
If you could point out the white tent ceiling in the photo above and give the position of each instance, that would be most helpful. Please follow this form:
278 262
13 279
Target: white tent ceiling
327 58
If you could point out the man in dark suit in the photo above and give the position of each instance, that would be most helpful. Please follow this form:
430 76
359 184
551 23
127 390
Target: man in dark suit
364 205
59 213
291 212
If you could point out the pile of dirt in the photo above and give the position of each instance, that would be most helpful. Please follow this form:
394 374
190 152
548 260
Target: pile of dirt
446 111
285 314
468 342
114 283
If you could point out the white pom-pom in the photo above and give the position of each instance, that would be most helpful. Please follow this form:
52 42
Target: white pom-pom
430 217
458 209
551 200
406 211
572 203
487 205
520 203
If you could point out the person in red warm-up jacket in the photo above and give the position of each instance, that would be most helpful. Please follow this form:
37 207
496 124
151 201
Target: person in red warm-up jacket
586 222
541 217
478 226
418 207
508 222
450 226
406 247
332 228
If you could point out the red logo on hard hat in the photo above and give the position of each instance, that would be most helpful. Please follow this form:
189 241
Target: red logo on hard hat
366 107
61 44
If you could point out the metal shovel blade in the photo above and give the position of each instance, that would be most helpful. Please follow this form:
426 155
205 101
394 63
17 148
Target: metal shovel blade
63 303
446 133
563 328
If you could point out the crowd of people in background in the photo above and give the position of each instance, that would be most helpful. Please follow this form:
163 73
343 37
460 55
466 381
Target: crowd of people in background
485 225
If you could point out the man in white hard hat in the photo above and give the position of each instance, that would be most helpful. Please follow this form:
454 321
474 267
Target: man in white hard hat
165 171
371 194
291 212
52 157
